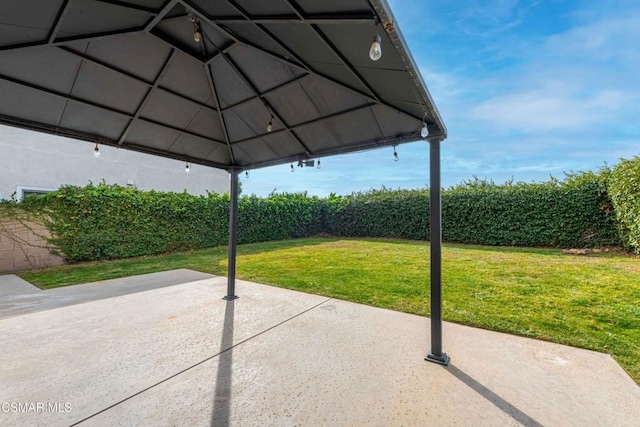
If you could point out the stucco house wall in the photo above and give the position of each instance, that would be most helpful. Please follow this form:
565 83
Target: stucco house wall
33 160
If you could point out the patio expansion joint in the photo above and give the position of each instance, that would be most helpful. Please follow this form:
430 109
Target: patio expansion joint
201 361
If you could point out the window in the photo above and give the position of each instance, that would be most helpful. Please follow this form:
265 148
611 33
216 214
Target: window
24 191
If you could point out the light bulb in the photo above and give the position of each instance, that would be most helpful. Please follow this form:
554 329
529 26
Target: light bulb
96 151
292 168
246 174
270 125
376 49
187 168
197 36
318 164
395 155
425 131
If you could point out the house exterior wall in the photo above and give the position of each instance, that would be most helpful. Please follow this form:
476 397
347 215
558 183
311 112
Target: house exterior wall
34 160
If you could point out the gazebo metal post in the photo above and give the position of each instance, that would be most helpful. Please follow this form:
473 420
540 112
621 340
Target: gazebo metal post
233 233
436 355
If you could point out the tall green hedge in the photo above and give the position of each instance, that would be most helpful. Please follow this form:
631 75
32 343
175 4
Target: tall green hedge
109 221
558 214
624 189
573 213
380 213
280 216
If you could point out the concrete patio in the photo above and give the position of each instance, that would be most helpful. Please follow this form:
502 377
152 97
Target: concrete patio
165 349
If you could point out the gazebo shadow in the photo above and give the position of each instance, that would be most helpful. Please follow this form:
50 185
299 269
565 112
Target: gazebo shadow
492 397
222 391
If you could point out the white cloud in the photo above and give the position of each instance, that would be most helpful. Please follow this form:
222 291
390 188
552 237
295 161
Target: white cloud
616 36
550 108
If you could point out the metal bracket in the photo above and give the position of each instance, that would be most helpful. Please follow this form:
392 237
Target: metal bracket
442 359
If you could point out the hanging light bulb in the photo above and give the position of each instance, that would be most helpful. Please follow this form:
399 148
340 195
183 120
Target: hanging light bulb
187 168
246 174
197 34
270 125
96 151
395 154
375 52
425 130
318 164
292 168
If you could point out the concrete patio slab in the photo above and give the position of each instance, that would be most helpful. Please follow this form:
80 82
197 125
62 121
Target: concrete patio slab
180 355
18 297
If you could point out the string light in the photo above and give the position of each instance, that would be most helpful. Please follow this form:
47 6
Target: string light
96 151
246 174
395 154
270 125
197 34
318 164
424 132
187 168
292 168
375 52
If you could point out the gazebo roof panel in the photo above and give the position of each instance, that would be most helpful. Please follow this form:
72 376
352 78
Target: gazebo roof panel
138 54
187 76
31 105
93 120
216 8
85 17
265 72
230 87
150 135
111 70
165 107
335 6
206 123
108 88
51 68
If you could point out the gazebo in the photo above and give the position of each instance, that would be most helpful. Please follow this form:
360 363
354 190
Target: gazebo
231 84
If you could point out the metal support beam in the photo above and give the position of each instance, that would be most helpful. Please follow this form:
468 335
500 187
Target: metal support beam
147 96
436 355
233 233
58 24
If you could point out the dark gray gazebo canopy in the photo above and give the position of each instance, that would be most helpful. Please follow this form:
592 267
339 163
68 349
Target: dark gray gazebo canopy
129 73
269 82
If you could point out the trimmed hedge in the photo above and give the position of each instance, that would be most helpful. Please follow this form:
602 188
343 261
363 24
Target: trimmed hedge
109 221
624 189
548 214
380 213
574 213
278 217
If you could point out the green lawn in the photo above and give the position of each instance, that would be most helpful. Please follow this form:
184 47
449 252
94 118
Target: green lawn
584 301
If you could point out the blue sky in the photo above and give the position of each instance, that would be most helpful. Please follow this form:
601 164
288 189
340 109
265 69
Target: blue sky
527 89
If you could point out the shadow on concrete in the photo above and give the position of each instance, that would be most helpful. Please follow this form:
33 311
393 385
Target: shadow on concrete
222 393
492 397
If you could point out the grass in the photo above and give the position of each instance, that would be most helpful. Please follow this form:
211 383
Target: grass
584 301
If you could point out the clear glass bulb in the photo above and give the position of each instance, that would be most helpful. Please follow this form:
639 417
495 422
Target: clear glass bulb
318 164
187 168
197 36
424 132
292 168
270 126
96 152
375 53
